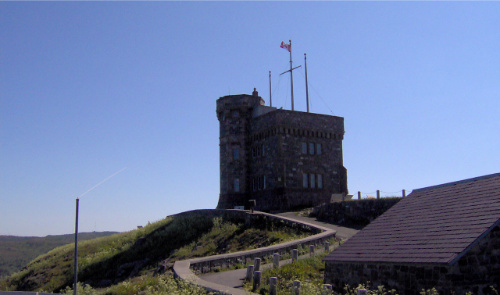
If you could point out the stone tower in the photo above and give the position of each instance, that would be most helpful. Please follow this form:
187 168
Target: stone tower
283 159
235 115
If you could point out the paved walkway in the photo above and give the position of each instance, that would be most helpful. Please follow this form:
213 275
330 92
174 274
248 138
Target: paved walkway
236 278
343 233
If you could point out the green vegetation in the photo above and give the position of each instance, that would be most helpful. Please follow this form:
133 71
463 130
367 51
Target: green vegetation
144 285
310 272
225 237
16 252
131 258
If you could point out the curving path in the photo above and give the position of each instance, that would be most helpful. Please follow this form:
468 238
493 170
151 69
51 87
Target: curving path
343 233
235 278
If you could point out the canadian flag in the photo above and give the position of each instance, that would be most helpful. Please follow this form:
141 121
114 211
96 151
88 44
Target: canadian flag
286 46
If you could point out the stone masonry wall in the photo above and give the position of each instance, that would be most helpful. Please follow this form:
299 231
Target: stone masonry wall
353 213
234 113
281 134
476 272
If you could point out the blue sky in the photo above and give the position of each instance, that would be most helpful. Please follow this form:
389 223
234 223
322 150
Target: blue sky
88 88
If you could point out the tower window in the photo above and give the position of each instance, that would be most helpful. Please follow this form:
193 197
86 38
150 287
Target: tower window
237 185
304 180
312 180
318 149
311 148
304 148
236 154
320 180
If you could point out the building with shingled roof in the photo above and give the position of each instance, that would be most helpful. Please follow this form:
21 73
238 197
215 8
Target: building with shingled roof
445 236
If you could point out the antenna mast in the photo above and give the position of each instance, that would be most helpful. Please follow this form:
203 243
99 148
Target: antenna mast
289 47
307 87
270 97
291 74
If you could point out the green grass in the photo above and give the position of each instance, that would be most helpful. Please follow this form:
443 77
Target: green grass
117 259
309 271
144 285
16 252
229 237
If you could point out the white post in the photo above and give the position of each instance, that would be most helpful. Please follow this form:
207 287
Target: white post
273 283
296 288
327 289
276 260
295 255
250 273
256 281
256 264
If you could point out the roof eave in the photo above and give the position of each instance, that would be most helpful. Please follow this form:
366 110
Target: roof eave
476 241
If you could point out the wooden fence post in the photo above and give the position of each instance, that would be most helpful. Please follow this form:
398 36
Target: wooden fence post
256 281
327 289
256 264
273 283
295 255
276 260
296 288
250 273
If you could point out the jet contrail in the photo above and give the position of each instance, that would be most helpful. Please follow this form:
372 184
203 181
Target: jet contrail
103 181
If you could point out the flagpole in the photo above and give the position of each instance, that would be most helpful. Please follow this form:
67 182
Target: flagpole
307 87
270 97
75 274
291 74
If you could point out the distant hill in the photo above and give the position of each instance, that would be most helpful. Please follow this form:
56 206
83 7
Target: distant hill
16 252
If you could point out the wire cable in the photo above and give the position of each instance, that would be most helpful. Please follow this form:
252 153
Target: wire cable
317 93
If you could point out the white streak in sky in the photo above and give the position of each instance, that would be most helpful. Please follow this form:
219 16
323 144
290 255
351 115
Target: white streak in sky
103 181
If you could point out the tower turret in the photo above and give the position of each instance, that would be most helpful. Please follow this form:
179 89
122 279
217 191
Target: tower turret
234 113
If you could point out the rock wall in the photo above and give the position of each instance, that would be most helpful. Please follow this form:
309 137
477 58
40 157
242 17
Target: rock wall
353 213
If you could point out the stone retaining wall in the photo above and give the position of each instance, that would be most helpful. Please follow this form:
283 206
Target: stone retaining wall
353 213
187 269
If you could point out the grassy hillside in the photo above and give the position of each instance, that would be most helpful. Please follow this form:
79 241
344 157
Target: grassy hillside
119 259
16 252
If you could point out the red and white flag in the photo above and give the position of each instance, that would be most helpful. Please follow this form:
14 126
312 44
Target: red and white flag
286 46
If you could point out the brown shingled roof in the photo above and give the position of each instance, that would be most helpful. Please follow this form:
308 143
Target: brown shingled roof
437 224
